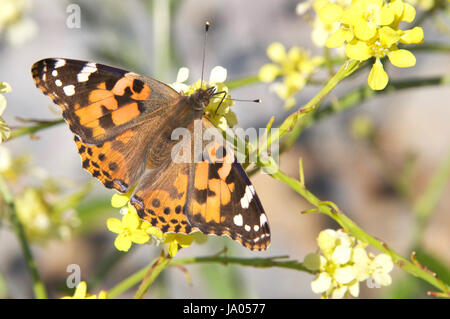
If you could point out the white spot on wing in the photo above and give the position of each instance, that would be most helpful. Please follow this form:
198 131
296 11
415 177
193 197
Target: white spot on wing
55 73
248 196
58 82
256 228
247 228
238 221
69 90
59 63
86 71
262 219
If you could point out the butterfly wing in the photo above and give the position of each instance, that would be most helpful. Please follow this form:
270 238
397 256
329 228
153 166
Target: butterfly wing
99 101
113 113
224 201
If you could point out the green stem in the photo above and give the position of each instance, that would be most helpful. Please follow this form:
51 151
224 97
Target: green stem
30 130
38 285
253 262
242 82
153 272
127 283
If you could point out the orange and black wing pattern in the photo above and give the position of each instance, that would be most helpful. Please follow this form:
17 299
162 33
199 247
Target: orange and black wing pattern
113 114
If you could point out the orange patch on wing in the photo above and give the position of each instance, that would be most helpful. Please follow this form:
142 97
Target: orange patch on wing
100 95
125 136
181 183
201 175
143 95
102 86
224 171
121 85
127 82
89 113
125 113
213 202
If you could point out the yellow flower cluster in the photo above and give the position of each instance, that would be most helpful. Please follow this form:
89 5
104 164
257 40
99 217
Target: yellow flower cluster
294 66
14 21
370 28
221 115
81 293
343 263
131 229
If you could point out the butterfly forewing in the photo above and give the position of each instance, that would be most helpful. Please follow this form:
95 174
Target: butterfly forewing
100 101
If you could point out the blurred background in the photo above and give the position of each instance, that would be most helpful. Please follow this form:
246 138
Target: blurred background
375 177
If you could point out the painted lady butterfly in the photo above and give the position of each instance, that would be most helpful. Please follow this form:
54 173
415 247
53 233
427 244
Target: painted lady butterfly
123 123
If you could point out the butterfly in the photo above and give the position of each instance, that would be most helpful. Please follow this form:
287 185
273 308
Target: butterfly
122 124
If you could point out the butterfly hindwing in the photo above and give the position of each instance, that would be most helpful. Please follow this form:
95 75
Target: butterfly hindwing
160 198
224 201
100 101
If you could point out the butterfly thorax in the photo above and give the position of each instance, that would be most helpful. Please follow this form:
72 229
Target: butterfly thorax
200 98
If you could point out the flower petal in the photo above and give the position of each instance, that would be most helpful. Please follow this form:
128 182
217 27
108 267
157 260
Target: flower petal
276 52
341 255
409 13
80 291
337 39
330 13
139 237
339 293
382 279
388 36
415 35
218 75
378 78
131 221
344 275
122 242
269 72
365 31
354 289
402 58
114 225
119 200
183 74
358 51
322 283
383 262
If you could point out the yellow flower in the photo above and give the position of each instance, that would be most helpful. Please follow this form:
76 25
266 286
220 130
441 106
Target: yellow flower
343 263
128 230
4 129
133 230
295 66
370 28
222 116
81 293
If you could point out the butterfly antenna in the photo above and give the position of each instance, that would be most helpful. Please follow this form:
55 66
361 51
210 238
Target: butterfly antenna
207 24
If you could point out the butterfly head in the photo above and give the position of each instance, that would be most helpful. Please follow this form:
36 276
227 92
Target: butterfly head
200 98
